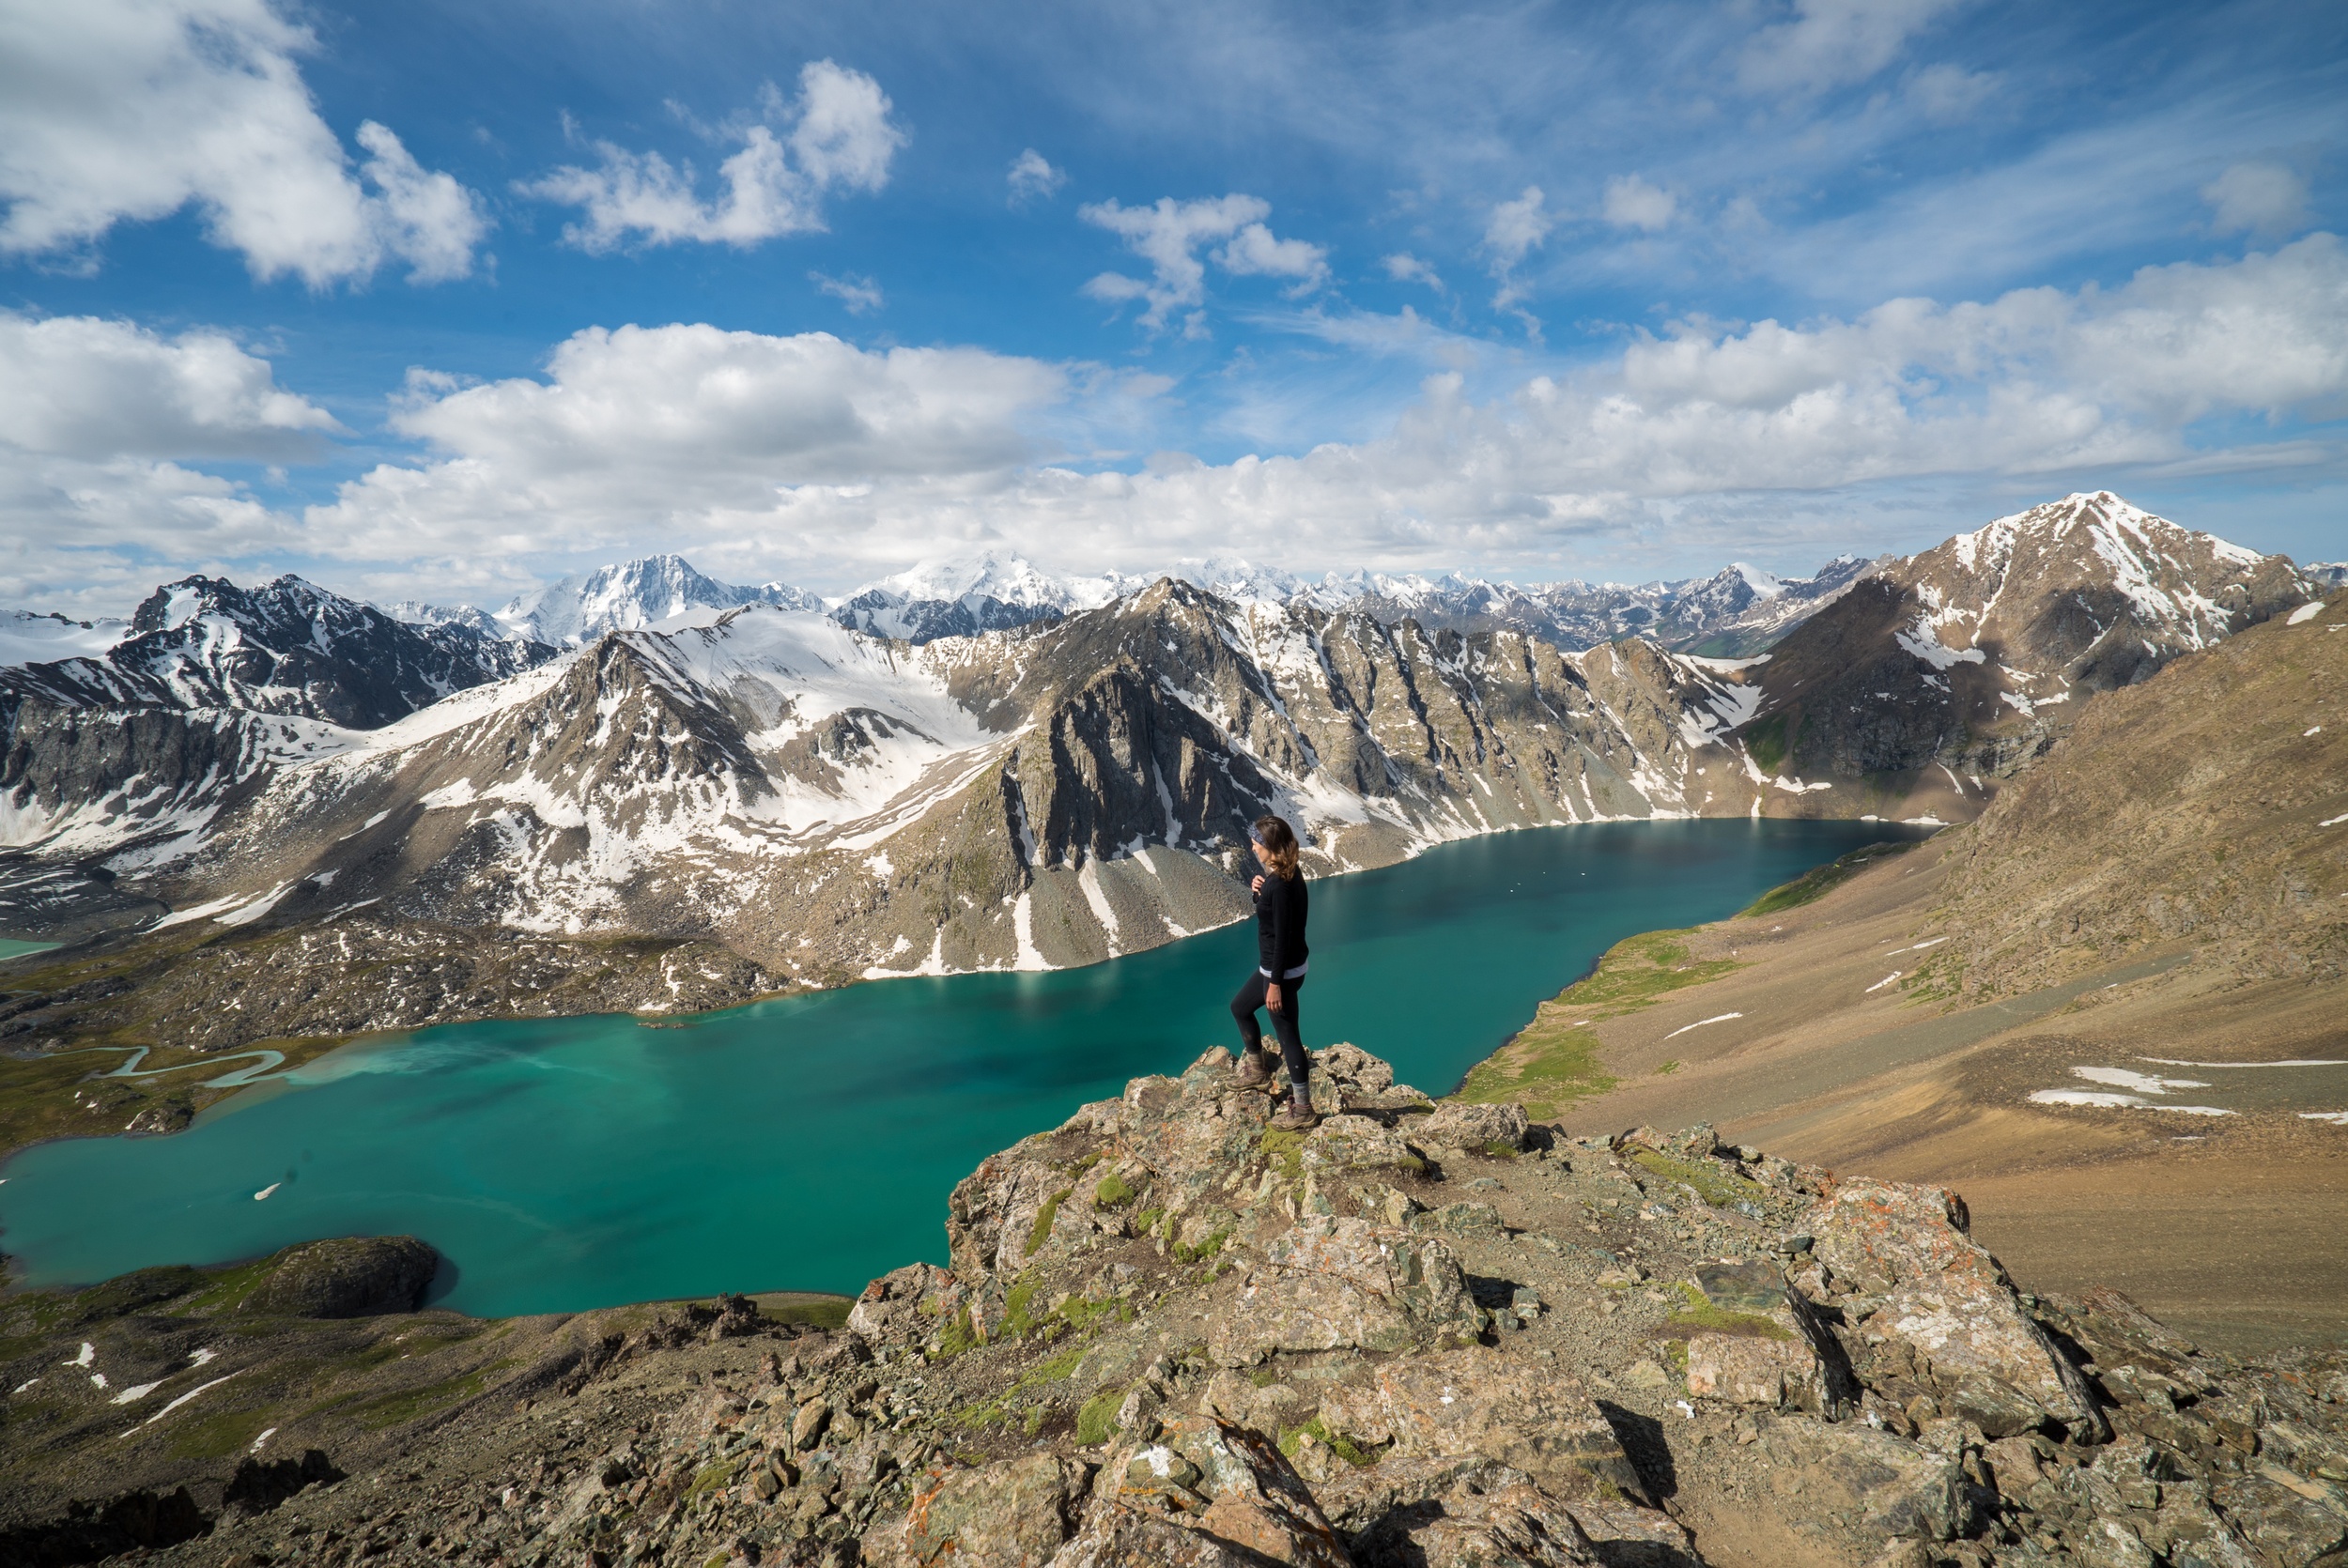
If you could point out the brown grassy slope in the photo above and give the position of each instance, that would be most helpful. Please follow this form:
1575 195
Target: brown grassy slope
2185 810
2232 1226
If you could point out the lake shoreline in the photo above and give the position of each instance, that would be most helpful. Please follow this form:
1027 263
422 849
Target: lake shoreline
698 1144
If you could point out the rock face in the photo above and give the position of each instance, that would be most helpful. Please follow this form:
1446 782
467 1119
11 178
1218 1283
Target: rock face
358 1277
1168 1336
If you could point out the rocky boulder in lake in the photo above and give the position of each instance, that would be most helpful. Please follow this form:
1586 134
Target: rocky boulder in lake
353 1277
1169 1332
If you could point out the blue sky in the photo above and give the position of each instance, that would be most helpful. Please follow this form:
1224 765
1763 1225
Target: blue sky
440 301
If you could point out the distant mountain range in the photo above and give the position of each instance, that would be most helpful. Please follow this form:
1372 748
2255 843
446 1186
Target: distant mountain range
1735 611
828 800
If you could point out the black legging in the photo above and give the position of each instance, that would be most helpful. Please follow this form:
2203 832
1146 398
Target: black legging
1244 1008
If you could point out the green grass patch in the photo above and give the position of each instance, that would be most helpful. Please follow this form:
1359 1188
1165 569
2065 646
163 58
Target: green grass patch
1819 881
958 1336
816 1311
1112 1192
1205 1248
1495 1149
1146 1223
403 1405
1096 1421
1338 1443
712 1477
1053 1371
218 1436
1768 742
1700 1317
1712 1184
1667 1070
1283 1149
1042 1230
1553 1061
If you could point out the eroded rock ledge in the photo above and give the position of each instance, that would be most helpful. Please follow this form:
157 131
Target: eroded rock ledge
1418 1335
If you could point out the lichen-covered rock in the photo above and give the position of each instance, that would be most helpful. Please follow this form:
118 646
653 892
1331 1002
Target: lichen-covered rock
1457 1124
1334 1282
908 1306
1357 1144
1013 1513
1847 1484
1476 1403
1940 1301
1201 1489
1508 1527
1744 1369
351 1277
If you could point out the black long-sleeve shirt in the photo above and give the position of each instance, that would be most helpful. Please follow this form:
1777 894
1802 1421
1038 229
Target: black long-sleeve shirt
1280 949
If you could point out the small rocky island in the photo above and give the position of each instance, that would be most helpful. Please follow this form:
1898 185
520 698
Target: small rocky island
1420 1334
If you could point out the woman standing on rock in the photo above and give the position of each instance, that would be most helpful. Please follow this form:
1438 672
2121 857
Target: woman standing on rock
1281 954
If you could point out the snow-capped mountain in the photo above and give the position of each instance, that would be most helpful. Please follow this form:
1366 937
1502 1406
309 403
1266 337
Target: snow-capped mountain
2330 574
415 612
831 805
631 595
1972 656
966 596
210 687
28 637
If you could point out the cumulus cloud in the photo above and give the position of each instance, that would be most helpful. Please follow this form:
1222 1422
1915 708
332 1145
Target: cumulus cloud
2258 198
1032 177
681 426
85 388
1514 230
815 452
1831 43
858 293
1169 235
1404 268
836 133
114 109
99 420
809 457
1631 203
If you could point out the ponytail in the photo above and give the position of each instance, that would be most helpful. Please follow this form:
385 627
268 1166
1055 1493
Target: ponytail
1279 842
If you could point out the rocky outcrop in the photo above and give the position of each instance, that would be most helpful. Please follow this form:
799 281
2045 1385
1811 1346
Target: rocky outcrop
1172 1333
354 1277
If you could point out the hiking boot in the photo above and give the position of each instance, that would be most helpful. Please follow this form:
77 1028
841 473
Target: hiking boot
1295 1118
1254 1071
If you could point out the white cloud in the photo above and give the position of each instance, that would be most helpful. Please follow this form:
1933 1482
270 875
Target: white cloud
859 294
1168 235
1032 177
810 458
1831 43
1948 94
681 427
1515 229
1404 268
1631 203
2258 198
836 133
112 110
97 420
85 388
1517 226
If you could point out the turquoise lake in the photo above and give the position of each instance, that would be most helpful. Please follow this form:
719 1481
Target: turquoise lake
809 1142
